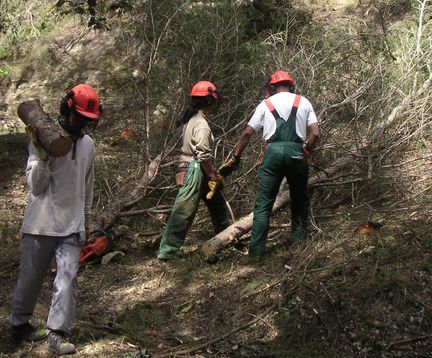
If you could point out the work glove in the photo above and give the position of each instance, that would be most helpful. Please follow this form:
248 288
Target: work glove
229 166
32 134
215 185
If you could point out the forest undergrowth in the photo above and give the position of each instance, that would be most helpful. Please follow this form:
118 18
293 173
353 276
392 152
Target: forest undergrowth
360 286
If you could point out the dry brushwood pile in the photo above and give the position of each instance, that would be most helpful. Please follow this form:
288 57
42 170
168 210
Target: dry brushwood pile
360 286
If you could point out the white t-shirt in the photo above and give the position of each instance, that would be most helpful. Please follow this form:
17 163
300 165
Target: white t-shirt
283 103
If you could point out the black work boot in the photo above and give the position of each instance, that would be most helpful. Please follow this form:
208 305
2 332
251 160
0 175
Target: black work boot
251 259
27 332
298 235
58 345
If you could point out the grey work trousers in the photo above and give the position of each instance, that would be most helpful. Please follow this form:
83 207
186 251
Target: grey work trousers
36 254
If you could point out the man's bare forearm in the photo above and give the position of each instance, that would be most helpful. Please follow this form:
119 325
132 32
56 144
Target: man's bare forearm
313 137
243 141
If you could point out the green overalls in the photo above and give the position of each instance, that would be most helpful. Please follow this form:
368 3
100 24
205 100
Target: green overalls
278 163
195 187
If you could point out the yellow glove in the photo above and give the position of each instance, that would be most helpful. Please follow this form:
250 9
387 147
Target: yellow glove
32 134
229 166
215 185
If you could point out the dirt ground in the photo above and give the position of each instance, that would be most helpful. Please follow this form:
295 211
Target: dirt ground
342 293
346 292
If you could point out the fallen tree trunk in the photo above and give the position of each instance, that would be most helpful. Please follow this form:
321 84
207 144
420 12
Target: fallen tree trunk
51 136
110 217
217 243
121 208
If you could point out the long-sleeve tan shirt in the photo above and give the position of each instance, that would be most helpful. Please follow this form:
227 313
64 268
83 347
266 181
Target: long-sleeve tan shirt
198 139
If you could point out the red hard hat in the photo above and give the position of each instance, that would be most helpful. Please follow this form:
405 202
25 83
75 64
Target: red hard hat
85 101
281 76
204 89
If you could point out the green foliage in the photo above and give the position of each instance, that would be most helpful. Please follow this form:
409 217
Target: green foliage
346 70
263 18
5 70
69 83
178 43
5 51
411 49
21 21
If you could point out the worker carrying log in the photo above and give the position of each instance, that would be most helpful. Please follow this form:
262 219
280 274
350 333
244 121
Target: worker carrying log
290 129
195 175
56 220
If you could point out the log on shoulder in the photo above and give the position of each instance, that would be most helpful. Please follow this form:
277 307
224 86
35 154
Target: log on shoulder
51 136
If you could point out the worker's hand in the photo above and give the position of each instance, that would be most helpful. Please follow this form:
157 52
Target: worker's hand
306 154
215 185
229 166
32 134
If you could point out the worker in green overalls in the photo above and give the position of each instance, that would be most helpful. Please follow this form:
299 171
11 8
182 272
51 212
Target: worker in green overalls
290 129
195 175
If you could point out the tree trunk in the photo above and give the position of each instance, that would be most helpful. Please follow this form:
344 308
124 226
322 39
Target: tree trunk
51 136
118 209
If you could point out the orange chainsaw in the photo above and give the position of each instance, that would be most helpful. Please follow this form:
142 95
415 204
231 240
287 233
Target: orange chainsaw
99 244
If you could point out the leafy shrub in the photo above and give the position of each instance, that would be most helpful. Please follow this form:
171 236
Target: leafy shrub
5 70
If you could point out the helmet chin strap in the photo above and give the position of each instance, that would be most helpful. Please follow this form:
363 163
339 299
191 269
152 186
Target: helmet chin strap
74 134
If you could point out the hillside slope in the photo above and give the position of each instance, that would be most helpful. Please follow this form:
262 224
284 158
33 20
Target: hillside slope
360 286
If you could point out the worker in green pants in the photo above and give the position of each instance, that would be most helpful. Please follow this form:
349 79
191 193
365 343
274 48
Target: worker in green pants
290 130
195 173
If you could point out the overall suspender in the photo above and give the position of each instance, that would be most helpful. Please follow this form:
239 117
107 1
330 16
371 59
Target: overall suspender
275 112
285 130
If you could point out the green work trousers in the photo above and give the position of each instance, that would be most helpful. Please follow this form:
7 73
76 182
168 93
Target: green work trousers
276 165
185 207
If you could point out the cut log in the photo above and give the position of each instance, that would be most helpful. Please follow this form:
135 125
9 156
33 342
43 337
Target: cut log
51 136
